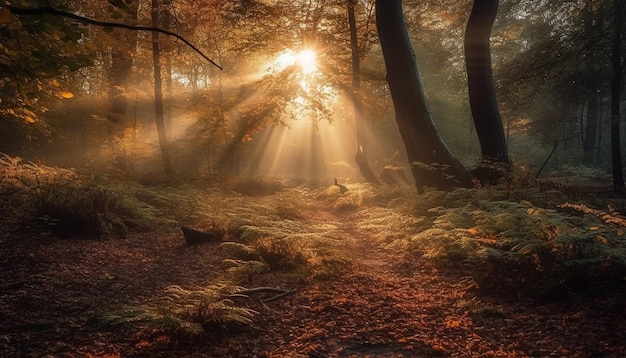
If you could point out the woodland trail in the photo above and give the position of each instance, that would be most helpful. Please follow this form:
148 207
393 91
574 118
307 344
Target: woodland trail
389 305
382 306
378 302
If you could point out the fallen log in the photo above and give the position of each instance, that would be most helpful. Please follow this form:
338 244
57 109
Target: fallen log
193 236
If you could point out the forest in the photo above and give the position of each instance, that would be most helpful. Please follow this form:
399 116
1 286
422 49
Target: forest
312 178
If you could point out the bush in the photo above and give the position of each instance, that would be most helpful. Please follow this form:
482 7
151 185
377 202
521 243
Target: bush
520 249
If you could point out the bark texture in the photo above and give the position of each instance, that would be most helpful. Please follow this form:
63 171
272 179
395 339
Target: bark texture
482 91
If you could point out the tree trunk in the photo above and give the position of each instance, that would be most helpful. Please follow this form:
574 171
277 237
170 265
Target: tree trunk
432 163
616 82
119 78
591 128
592 118
482 91
158 93
360 122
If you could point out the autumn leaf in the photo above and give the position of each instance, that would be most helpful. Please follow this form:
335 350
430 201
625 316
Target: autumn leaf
5 15
66 94
453 323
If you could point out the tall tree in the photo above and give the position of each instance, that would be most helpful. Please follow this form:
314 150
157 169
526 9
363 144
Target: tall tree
591 128
432 163
158 93
616 84
482 91
122 55
362 128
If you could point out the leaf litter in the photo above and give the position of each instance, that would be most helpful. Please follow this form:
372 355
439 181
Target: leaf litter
384 300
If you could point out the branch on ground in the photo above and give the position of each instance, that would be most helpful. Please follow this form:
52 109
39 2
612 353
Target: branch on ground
279 293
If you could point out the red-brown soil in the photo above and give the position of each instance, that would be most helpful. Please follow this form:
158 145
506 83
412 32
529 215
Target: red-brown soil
383 305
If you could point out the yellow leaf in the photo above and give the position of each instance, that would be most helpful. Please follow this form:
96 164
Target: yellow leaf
473 230
65 94
602 240
29 119
594 228
55 83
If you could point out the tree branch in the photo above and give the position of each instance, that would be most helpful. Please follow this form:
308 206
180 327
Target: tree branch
280 293
85 20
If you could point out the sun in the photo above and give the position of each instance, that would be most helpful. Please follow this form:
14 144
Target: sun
306 59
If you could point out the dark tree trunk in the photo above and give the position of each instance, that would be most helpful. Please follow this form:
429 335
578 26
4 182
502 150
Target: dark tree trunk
590 133
119 79
432 163
158 93
482 91
591 129
121 65
616 82
360 122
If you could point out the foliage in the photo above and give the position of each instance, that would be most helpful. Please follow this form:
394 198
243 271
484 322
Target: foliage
186 311
68 204
520 248
36 55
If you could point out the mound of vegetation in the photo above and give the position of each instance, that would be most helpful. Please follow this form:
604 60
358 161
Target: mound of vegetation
519 248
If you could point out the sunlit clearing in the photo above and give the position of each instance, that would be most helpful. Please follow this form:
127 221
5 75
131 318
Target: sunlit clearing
308 150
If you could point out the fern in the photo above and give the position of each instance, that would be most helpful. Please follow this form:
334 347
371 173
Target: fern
185 311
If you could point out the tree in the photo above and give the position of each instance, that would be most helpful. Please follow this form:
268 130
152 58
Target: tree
362 129
158 92
592 119
122 59
432 163
616 84
482 91
36 55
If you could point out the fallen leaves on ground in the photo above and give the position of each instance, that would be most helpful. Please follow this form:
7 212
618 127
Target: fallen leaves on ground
383 305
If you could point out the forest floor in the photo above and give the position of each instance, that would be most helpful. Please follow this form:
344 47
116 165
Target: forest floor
378 302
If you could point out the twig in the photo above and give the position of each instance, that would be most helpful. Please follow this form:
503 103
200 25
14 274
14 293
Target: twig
278 297
280 293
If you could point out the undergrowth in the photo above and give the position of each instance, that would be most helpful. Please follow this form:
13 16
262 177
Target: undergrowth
517 247
186 312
